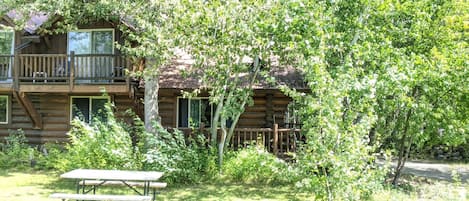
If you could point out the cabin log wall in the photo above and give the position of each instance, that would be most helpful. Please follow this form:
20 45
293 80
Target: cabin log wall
54 108
258 115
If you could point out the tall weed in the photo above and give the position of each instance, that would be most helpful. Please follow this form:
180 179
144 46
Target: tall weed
15 152
256 165
183 161
103 144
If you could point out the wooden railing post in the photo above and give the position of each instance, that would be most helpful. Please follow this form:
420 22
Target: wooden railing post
16 70
72 69
276 139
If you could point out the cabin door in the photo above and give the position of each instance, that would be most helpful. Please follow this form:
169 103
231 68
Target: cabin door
94 50
6 50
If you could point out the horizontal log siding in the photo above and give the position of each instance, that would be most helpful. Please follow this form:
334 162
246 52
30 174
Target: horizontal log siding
167 105
253 117
55 112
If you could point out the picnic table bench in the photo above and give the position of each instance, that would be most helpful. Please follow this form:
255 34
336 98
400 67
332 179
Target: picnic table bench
96 183
134 180
66 196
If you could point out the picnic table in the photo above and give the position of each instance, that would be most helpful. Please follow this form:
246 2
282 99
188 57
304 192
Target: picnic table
135 180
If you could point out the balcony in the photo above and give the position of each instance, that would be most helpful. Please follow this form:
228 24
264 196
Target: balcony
65 73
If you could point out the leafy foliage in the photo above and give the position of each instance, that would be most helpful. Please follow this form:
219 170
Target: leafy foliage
15 152
182 161
256 165
102 144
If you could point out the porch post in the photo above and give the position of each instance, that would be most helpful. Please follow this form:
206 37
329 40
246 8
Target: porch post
72 69
16 70
276 139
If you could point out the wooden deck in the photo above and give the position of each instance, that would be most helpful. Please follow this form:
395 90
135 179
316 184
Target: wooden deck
65 72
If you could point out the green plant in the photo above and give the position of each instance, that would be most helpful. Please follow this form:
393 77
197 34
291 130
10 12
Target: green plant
256 165
183 161
104 143
50 156
15 152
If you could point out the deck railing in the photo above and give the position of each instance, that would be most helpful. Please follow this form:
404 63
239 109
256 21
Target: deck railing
275 140
89 68
59 68
6 62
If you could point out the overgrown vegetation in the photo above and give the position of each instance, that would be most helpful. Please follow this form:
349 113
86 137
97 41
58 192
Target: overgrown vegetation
104 143
15 152
184 160
256 165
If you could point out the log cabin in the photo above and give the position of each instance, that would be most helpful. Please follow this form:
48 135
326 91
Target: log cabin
46 80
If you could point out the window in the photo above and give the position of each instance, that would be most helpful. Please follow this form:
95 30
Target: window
91 41
6 50
193 112
4 109
99 44
87 108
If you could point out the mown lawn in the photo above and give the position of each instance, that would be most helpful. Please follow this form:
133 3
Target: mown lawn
16 185
38 185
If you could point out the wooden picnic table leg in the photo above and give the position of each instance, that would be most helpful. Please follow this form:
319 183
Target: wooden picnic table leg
78 186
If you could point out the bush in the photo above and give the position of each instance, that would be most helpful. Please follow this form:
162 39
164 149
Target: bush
255 165
103 144
15 152
182 161
50 157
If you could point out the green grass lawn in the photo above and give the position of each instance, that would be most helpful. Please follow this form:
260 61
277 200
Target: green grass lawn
38 185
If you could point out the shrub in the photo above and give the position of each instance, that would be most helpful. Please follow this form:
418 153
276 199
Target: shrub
15 152
255 165
51 156
105 143
182 161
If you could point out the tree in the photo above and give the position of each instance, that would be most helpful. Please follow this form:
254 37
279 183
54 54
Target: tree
330 42
229 46
422 98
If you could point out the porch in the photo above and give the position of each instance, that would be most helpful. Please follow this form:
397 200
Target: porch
279 141
65 72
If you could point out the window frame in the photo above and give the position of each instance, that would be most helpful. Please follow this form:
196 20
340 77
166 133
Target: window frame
90 109
90 31
212 111
7 109
12 52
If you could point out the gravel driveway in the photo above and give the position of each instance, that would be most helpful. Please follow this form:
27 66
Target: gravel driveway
441 171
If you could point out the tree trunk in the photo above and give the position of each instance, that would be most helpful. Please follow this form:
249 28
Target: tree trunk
151 101
221 144
406 137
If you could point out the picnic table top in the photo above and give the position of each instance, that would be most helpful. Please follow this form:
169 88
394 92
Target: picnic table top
119 175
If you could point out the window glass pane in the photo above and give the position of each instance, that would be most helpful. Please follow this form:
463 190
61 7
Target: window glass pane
3 109
81 108
98 108
183 113
6 42
194 114
80 42
102 42
206 116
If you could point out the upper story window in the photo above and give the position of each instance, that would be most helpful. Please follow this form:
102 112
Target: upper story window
6 42
6 49
100 41
4 109
87 108
192 112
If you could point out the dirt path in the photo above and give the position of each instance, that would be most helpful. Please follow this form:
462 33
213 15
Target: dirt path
436 170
